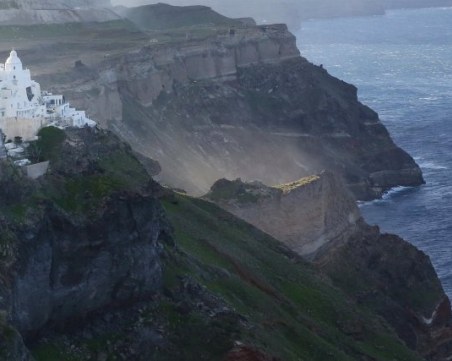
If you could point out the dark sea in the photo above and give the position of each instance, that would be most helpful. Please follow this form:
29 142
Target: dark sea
402 66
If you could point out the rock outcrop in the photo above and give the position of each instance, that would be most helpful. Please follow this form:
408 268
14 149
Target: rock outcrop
12 347
82 238
397 281
317 218
209 103
310 215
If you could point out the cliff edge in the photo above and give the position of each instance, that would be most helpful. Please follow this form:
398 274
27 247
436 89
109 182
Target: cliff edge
309 215
99 262
239 101
317 218
81 238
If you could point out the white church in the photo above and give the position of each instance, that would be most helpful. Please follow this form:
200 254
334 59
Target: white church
24 108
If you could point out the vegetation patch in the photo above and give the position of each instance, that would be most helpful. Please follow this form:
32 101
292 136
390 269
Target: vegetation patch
125 169
293 314
48 145
51 352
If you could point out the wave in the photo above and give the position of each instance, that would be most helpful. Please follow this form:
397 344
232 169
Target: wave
387 196
430 99
395 191
427 164
432 165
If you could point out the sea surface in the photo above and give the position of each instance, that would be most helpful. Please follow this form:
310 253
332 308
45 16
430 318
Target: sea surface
402 66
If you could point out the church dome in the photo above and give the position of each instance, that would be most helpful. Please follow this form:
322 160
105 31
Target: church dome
13 61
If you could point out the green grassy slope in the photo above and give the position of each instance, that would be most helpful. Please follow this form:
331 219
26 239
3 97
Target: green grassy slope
293 314
280 305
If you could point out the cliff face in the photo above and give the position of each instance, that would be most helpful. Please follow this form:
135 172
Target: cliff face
309 216
67 268
83 238
242 104
397 281
317 218
210 103
89 268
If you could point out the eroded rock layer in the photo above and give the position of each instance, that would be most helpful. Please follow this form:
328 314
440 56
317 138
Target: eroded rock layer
309 215
242 103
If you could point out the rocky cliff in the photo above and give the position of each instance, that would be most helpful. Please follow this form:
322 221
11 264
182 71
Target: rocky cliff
240 102
394 279
91 270
207 101
317 218
82 238
310 215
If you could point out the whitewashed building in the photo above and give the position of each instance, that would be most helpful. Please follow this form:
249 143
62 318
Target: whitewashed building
24 109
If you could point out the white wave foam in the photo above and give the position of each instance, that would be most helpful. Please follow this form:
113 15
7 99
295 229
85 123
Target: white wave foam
429 99
427 164
394 191
431 165
387 197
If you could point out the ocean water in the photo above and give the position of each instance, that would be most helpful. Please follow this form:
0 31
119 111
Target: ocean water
402 65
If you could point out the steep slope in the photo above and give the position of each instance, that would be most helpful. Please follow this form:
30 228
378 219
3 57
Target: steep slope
230 292
216 100
83 238
317 218
397 281
309 216
241 102
91 270
291 312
